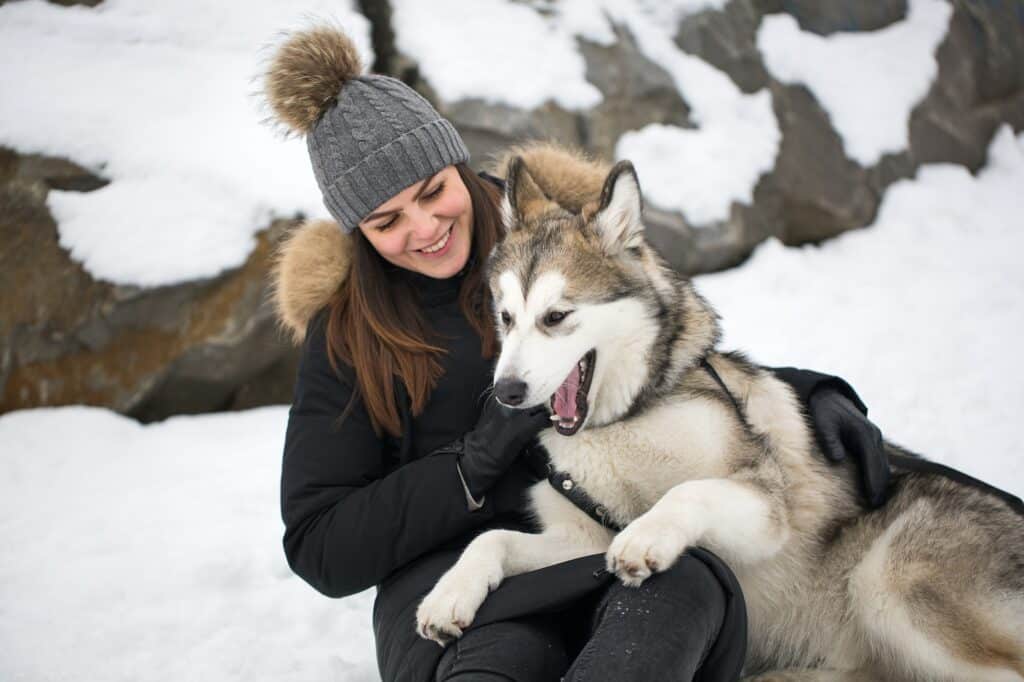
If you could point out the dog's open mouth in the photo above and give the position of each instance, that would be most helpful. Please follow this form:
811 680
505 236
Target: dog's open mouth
569 403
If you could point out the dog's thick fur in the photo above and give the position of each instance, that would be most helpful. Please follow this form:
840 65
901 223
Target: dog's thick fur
929 587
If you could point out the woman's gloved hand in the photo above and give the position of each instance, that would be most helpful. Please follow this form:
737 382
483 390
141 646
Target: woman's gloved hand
842 430
496 441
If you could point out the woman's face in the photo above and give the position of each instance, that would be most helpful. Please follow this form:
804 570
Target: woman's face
426 228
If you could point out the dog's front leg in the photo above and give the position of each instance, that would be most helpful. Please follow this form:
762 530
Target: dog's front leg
737 518
490 558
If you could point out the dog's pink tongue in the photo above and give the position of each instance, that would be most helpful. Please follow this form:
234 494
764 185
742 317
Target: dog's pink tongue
565 396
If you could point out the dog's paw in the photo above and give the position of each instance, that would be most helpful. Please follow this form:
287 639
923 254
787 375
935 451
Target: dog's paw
449 609
648 545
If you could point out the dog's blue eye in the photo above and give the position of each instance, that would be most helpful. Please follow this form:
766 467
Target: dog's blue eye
554 317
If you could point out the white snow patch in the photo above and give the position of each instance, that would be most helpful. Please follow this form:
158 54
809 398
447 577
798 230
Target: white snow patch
499 51
867 82
669 13
158 98
701 172
154 552
923 312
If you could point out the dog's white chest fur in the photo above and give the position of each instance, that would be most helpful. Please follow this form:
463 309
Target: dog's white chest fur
629 465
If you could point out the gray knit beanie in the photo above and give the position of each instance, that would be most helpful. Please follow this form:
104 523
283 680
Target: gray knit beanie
369 136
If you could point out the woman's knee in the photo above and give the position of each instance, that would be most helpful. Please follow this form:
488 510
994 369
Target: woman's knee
521 650
690 617
697 581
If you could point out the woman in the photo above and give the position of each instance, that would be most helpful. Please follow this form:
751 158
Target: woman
393 458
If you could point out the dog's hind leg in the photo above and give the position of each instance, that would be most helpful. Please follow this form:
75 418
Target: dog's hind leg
493 556
924 600
817 676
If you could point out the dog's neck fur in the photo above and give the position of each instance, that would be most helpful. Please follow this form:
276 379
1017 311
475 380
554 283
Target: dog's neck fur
683 330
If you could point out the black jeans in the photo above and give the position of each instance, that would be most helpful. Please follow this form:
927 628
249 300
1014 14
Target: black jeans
687 623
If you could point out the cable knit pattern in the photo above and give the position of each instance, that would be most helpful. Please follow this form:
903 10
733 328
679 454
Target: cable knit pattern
382 108
356 106
407 97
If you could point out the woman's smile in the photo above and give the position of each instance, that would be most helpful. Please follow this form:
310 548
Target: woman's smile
441 246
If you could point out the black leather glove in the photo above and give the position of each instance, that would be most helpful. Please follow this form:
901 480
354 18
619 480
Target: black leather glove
842 430
498 439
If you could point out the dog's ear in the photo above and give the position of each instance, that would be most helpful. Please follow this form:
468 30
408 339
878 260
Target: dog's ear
523 196
618 220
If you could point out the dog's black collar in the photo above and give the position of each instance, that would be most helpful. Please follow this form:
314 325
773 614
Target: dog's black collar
574 492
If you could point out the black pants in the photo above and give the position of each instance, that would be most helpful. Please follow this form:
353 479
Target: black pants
687 623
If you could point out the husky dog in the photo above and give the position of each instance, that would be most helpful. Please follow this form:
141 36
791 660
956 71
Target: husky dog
594 324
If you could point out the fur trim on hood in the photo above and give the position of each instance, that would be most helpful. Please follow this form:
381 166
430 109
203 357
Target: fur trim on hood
311 263
313 260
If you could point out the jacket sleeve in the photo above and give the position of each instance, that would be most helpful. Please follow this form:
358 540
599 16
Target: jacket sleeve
348 522
805 382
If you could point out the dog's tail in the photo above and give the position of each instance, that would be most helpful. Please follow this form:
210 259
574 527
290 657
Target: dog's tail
568 176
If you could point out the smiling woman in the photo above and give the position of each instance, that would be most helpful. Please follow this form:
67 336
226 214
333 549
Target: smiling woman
425 228
395 456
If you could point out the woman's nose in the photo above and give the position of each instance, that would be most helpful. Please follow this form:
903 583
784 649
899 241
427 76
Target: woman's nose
424 223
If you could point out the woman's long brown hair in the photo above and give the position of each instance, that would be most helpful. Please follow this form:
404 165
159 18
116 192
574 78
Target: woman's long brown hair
375 324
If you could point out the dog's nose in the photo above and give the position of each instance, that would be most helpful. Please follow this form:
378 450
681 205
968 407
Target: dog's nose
510 392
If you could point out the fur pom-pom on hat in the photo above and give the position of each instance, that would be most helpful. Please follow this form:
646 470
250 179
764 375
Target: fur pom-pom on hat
307 73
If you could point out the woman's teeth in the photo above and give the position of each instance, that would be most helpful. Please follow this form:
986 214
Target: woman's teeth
439 244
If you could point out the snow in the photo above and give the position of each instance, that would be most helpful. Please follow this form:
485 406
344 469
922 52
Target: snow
868 82
699 172
521 54
154 551
923 312
515 54
501 52
158 97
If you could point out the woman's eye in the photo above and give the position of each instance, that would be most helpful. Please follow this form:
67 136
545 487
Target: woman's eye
384 226
506 319
554 317
434 192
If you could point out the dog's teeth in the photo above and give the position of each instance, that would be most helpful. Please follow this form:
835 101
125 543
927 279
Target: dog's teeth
555 418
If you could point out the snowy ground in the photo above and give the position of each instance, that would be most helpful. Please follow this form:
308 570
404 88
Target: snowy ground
153 552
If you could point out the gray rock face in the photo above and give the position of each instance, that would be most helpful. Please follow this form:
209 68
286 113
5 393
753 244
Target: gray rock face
815 191
637 92
212 344
830 16
980 85
820 192
728 41
487 127
151 353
